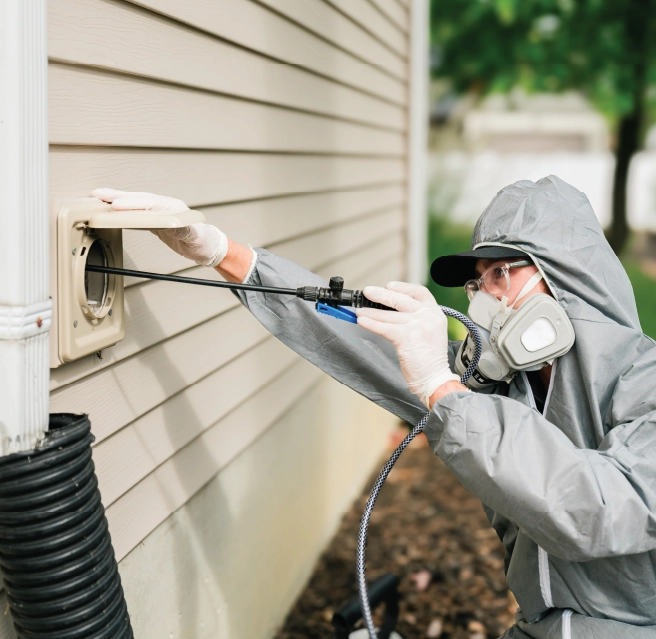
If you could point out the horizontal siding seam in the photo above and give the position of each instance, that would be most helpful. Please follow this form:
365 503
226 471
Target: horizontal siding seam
368 241
374 267
232 96
184 149
222 150
292 194
329 227
373 34
403 81
359 187
389 18
280 417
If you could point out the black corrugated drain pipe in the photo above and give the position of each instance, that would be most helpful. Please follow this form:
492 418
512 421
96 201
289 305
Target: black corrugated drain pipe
56 555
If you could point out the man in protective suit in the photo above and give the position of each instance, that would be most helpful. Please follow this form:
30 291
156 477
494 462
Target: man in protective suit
564 457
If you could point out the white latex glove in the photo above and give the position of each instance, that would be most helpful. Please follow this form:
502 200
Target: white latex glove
418 332
203 243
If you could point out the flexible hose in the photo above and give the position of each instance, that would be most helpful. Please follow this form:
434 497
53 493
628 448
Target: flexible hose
366 515
57 560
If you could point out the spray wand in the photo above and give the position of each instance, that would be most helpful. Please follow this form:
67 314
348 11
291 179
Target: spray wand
333 296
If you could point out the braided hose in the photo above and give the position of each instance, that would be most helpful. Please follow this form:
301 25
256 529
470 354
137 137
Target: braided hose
366 515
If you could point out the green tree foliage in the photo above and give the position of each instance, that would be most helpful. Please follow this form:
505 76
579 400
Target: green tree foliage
603 48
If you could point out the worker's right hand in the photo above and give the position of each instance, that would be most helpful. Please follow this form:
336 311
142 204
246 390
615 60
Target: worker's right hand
418 331
203 243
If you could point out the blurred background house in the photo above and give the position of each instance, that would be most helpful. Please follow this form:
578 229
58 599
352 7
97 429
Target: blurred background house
478 148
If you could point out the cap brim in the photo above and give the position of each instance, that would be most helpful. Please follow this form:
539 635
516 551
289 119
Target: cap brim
457 269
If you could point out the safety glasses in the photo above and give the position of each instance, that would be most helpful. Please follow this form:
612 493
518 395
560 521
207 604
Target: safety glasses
495 280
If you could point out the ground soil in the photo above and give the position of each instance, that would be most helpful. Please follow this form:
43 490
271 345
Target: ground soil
427 529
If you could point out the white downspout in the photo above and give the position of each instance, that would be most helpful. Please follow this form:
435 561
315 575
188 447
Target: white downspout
417 232
25 306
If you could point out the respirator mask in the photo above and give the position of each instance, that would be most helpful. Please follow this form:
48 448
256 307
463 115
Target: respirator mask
523 339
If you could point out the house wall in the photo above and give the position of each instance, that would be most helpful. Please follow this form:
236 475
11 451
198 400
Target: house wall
223 463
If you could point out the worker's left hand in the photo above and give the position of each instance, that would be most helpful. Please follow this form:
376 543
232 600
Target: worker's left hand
203 243
418 332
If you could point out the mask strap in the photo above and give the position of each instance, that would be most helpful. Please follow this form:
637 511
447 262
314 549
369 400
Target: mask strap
528 287
498 322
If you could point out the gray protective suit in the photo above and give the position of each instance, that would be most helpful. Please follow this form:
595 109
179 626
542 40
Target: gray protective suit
571 492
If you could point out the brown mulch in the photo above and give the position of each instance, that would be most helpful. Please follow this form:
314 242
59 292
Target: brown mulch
427 529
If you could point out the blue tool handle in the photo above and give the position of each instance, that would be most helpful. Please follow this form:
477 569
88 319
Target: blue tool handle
338 312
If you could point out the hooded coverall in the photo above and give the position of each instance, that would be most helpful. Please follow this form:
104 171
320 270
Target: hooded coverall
571 492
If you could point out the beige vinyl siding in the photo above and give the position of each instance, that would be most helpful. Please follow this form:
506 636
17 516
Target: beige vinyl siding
395 11
98 108
202 178
369 18
285 122
338 29
252 26
178 478
105 39
310 468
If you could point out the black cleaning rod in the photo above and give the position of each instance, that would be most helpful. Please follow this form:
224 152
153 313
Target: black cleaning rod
335 295
189 280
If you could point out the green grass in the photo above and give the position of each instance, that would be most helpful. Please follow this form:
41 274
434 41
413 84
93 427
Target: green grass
644 289
445 238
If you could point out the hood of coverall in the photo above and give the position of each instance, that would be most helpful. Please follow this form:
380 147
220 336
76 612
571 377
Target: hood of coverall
554 223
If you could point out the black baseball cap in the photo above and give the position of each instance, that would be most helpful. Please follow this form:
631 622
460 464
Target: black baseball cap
459 268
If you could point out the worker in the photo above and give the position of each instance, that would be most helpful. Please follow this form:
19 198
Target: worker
563 456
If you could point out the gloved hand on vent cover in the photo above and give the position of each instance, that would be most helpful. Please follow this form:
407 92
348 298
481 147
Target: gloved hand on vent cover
205 244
